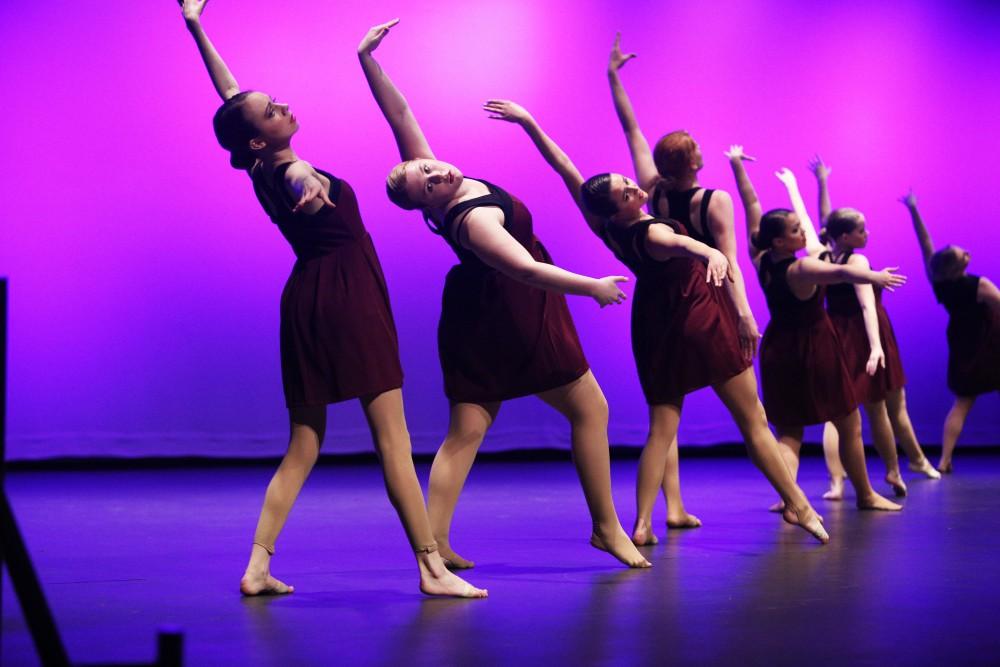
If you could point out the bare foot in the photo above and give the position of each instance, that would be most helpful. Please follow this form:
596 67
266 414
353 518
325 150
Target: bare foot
436 579
262 583
945 467
452 560
617 543
682 521
894 480
777 507
836 490
807 519
924 466
642 534
878 503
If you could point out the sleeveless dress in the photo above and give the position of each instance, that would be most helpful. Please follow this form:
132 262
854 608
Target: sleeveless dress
845 312
499 338
683 336
803 375
338 338
973 338
679 204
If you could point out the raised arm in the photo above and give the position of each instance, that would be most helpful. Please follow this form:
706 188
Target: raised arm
923 236
751 204
223 80
550 150
866 297
409 137
813 245
642 157
482 232
822 172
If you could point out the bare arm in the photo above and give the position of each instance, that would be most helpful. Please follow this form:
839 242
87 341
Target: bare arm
720 222
923 236
813 245
483 234
813 271
303 182
988 293
866 297
550 150
409 137
662 244
642 157
223 80
822 173
751 204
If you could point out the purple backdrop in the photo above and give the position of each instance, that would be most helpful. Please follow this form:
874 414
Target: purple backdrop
145 278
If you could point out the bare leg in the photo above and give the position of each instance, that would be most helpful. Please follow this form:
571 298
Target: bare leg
739 394
953 424
789 445
852 453
584 405
677 516
467 426
831 452
663 422
895 402
307 428
392 443
885 444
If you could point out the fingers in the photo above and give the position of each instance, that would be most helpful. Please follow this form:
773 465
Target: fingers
619 279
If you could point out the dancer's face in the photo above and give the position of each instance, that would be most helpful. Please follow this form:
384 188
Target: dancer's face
857 237
432 183
628 196
794 238
274 121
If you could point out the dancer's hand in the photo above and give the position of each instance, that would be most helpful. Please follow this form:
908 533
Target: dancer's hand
512 112
819 168
718 269
889 279
735 154
876 360
749 336
192 9
786 176
909 200
606 290
375 36
312 188
618 59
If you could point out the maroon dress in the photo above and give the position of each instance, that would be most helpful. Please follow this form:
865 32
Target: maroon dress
683 336
973 338
802 370
338 338
499 338
845 312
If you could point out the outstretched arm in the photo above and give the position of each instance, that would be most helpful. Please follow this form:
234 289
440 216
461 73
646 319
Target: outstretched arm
866 297
813 245
810 270
482 232
409 137
642 157
923 236
822 173
550 150
223 80
751 204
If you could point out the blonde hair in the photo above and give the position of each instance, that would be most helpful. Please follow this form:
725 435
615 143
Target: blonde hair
395 187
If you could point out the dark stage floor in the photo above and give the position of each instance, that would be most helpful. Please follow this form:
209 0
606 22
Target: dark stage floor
122 552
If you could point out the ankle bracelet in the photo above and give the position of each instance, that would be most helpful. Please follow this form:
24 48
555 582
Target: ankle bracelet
427 549
268 549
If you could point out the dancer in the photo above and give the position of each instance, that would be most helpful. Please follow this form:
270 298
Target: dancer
501 333
670 174
804 378
683 337
870 350
322 322
973 305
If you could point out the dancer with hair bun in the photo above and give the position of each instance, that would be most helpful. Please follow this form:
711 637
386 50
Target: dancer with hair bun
870 350
505 329
683 337
336 343
973 305
804 377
